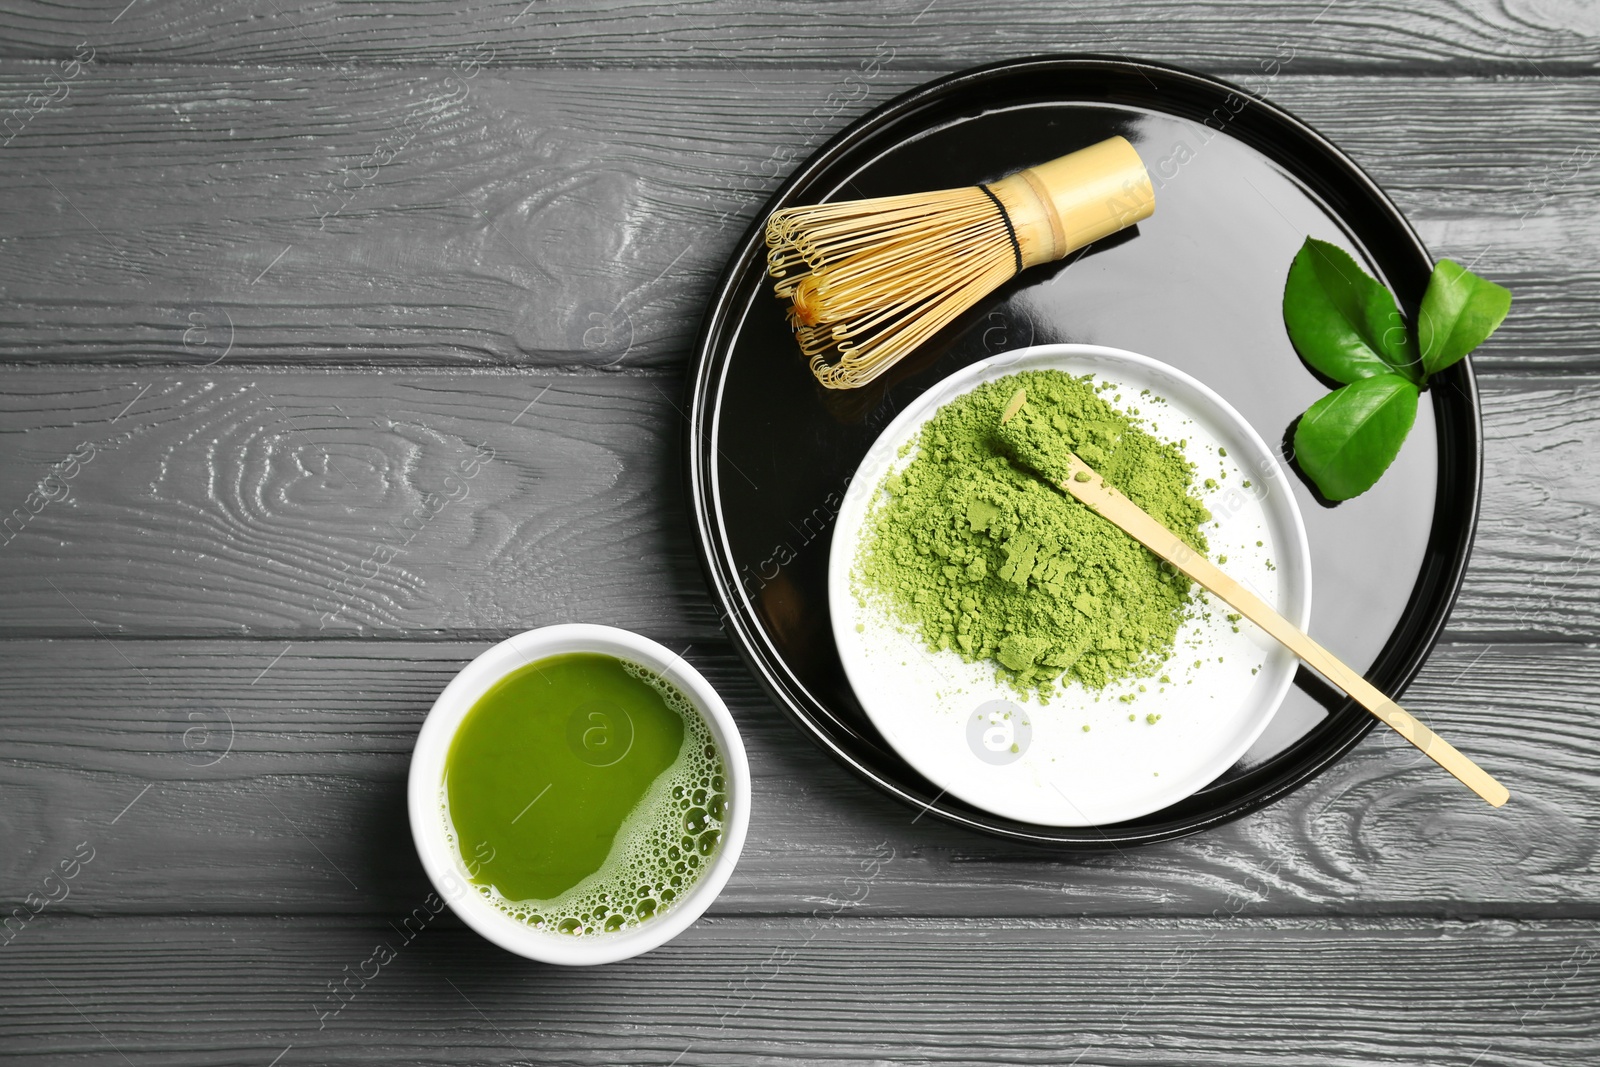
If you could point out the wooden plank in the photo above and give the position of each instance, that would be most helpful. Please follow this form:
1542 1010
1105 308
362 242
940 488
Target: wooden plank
254 777
1450 34
316 503
245 501
1534 558
579 218
177 992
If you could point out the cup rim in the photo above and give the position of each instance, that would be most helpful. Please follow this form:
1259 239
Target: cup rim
440 858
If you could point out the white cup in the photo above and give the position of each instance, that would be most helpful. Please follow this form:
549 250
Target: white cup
443 862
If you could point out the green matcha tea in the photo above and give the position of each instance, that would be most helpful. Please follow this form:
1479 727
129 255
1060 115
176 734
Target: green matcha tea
584 794
978 555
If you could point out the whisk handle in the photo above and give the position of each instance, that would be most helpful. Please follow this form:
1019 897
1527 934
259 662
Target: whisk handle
1060 206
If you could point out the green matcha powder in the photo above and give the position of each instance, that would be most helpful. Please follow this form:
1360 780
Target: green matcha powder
981 556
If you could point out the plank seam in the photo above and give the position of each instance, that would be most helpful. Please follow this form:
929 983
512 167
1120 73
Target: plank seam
1516 68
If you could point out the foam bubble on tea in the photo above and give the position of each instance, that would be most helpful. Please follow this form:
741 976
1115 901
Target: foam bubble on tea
584 794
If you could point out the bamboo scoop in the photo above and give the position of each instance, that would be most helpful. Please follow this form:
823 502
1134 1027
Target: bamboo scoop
1085 485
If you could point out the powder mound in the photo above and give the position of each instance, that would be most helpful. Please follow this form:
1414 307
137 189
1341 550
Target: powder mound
978 555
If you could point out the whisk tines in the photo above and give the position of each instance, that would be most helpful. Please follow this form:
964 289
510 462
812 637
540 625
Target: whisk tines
868 281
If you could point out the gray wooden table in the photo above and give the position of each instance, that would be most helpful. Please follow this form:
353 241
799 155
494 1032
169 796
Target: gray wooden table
271 269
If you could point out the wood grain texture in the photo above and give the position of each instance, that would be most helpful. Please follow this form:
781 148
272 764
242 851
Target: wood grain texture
1458 35
326 504
295 504
827 991
234 588
222 777
579 218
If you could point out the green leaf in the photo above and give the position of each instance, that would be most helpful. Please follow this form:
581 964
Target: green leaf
1346 440
1341 320
1459 312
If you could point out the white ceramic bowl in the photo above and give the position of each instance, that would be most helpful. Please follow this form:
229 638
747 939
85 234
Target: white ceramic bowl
1079 761
444 864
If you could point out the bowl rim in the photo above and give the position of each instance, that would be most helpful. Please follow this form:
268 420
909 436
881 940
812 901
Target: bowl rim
908 422
440 858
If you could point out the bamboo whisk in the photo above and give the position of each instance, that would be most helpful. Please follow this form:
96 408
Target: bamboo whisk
870 280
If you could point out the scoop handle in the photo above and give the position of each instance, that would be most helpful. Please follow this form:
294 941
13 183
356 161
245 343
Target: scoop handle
1133 520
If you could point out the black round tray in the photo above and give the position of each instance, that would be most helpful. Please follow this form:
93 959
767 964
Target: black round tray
1239 184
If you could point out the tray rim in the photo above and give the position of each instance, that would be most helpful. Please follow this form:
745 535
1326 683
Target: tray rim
1308 757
